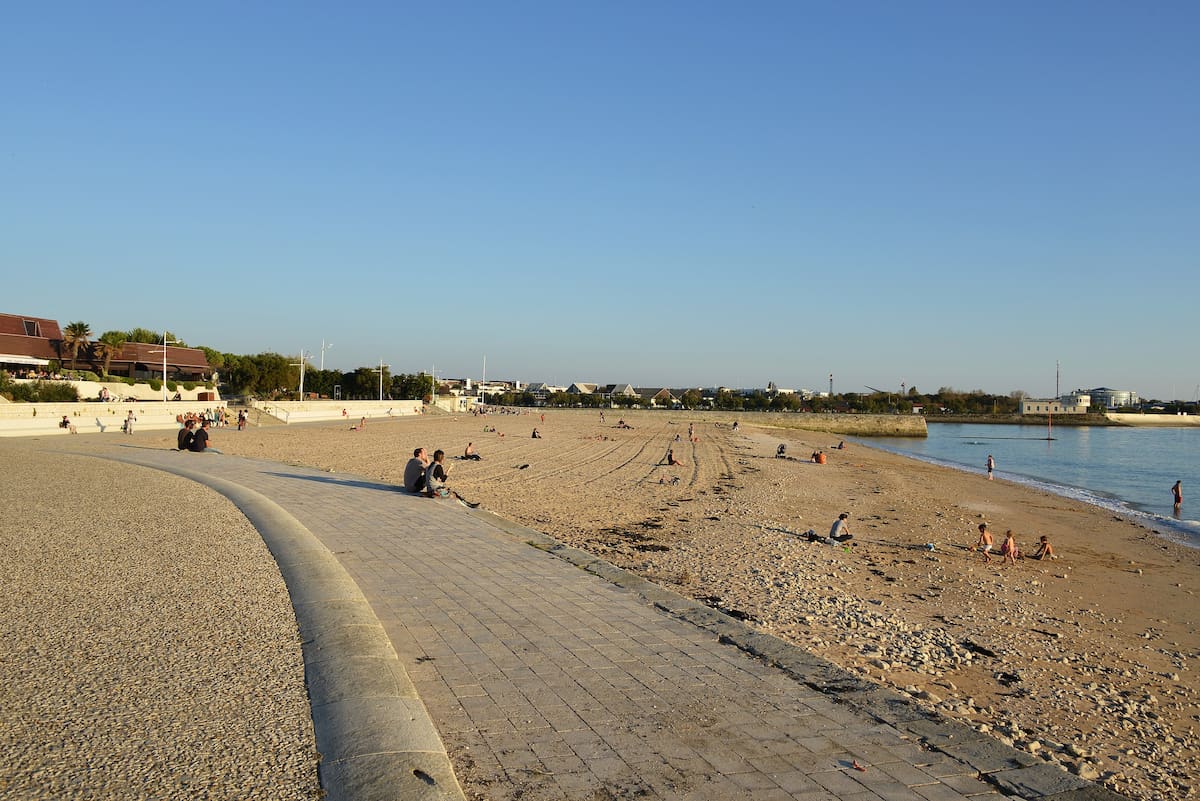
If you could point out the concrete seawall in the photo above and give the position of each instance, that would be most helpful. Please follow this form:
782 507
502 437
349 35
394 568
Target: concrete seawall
1162 420
853 425
856 425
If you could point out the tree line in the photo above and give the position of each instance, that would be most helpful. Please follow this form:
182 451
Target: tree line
945 401
267 375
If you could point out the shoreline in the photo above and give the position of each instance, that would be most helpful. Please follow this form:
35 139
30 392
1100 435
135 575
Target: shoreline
1176 531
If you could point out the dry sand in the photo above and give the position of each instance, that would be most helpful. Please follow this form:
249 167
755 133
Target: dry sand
1088 660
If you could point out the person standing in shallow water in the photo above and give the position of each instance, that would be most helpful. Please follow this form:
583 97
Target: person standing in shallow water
1177 493
991 466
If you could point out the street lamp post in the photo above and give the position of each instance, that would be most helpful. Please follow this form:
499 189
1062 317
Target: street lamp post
380 370
324 348
303 355
165 342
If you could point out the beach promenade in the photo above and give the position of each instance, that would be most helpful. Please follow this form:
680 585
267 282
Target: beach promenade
484 642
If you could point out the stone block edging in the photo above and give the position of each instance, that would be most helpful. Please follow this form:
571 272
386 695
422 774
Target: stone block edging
376 739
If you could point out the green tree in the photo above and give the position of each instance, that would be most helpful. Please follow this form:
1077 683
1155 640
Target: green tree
216 359
75 336
108 346
144 336
691 399
409 386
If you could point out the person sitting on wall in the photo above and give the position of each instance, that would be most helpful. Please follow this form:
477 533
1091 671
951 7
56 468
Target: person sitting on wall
183 439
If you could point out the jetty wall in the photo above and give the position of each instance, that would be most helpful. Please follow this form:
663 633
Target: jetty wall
851 425
1163 420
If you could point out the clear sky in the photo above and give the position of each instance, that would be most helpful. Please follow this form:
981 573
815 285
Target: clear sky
660 193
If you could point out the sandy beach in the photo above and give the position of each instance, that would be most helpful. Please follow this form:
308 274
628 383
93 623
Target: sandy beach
1087 660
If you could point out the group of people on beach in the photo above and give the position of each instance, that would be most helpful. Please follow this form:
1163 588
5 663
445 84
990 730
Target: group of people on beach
194 437
426 475
1010 552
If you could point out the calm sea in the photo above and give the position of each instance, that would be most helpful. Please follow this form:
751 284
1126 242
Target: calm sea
1127 470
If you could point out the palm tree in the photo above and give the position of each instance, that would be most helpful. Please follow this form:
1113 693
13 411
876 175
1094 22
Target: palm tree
75 336
109 345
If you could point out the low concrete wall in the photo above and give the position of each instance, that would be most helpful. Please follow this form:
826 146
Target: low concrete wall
351 411
855 425
42 419
1168 420
90 390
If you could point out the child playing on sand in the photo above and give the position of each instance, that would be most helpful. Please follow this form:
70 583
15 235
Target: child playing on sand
985 542
1045 550
1009 549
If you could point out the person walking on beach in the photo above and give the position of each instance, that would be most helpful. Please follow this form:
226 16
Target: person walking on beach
1177 492
985 542
991 466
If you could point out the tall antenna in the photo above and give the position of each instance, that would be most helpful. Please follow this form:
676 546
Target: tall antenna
1057 392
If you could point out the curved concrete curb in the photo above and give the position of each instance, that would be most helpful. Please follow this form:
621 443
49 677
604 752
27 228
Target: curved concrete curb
1012 771
374 734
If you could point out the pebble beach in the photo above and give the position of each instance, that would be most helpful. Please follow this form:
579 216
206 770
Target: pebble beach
1087 661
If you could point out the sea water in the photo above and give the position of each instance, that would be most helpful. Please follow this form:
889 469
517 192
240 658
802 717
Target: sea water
1127 470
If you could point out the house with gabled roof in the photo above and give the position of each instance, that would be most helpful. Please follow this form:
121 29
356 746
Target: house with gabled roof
618 390
582 388
657 397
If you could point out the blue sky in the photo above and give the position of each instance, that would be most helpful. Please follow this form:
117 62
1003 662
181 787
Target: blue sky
944 194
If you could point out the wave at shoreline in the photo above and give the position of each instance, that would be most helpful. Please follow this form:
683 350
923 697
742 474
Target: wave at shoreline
1183 532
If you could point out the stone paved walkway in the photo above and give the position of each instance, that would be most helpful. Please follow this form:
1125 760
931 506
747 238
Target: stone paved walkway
549 682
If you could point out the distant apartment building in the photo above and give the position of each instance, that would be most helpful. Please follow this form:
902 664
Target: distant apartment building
1114 398
1067 404
1081 401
